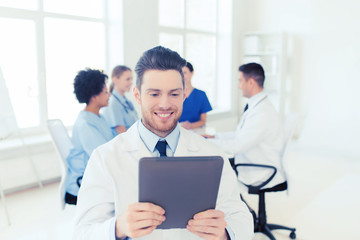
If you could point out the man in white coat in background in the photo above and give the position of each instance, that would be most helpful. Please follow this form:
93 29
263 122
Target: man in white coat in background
108 206
258 138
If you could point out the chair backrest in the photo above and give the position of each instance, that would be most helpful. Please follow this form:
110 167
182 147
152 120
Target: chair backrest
63 145
290 125
60 137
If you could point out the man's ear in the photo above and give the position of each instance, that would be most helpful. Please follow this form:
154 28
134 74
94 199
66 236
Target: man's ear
252 82
137 95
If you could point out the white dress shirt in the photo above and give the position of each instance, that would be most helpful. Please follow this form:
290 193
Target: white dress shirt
258 139
110 184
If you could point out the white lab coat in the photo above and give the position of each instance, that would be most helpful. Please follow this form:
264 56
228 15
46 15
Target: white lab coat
110 184
258 139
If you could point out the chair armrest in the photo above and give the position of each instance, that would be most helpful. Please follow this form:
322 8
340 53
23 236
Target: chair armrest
256 188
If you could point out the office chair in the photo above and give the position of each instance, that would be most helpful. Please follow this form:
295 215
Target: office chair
261 224
63 145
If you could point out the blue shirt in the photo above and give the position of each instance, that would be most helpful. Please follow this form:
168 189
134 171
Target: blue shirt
120 112
150 140
89 132
194 105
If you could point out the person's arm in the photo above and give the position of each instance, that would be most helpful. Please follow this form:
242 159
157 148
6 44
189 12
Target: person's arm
120 129
240 225
95 207
244 138
138 220
185 124
231 219
205 107
115 116
95 213
198 124
209 224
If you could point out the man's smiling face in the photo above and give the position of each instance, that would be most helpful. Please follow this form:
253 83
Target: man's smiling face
161 100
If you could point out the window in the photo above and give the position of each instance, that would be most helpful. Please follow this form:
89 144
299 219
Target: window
18 63
43 44
200 31
68 50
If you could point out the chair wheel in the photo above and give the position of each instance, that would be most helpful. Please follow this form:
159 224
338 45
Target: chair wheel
292 235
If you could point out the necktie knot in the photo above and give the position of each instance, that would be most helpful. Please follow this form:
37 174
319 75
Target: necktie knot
246 107
161 147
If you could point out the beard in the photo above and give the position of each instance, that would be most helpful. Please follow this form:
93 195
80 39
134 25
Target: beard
158 127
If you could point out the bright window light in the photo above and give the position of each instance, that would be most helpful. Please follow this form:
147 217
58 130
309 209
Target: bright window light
85 8
201 52
18 62
171 13
70 46
201 15
205 41
172 41
23 4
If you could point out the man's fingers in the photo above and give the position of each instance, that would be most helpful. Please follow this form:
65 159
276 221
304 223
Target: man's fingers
208 222
204 229
141 232
204 235
211 213
151 223
140 216
135 207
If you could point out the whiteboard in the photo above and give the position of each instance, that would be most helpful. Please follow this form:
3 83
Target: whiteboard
8 124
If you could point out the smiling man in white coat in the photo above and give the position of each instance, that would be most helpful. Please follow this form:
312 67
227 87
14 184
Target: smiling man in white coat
108 206
258 138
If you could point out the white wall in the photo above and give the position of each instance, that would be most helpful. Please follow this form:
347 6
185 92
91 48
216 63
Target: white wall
140 29
324 65
139 26
141 32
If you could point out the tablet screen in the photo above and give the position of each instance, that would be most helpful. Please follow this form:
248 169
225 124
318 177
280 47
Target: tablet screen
183 186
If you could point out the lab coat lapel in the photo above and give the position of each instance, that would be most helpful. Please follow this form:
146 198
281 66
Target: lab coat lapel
187 146
134 143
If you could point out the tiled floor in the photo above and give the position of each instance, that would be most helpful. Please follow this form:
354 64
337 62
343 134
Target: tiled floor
323 203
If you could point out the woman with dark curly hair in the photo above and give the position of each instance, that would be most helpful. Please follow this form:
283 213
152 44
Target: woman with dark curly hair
90 129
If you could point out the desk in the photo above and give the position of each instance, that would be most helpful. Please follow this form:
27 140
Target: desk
204 130
210 131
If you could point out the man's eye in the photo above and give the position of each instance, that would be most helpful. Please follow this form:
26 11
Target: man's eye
154 94
175 94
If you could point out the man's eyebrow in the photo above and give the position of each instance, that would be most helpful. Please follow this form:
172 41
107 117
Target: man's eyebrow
176 89
152 89
158 90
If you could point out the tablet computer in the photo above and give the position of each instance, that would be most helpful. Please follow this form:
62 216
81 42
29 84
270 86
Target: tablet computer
183 186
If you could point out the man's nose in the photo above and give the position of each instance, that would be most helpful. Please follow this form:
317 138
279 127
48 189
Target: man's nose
164 101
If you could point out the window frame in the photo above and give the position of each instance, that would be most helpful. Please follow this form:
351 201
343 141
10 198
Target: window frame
216 113
38 16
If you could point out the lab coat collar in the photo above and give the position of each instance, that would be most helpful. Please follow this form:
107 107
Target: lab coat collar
186 144
254 100
132 142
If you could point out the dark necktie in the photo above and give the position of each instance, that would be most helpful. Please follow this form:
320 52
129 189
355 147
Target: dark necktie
246 107
161 147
